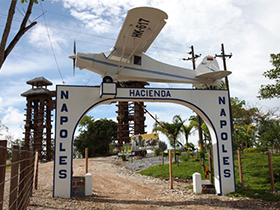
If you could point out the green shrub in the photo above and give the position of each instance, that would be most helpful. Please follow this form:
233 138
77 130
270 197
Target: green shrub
185 157
165 154
255 149
123 158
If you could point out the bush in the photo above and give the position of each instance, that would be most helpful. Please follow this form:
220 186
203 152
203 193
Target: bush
185 157
156 152
251 150
123 158
165 154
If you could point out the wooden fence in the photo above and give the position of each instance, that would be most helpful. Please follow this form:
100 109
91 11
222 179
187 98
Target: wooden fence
257 170
16 176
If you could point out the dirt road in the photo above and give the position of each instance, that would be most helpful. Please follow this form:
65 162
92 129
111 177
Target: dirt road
115 187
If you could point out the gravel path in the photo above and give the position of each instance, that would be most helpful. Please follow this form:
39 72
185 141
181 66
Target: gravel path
144 163
115 187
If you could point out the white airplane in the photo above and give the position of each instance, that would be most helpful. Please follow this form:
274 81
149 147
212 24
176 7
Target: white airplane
127 60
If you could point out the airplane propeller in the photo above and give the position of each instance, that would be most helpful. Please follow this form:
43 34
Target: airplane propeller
74 59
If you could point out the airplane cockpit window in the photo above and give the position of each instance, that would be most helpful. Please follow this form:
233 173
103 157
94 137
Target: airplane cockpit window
117 56
137 60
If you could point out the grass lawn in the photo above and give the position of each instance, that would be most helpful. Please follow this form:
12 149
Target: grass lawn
255 174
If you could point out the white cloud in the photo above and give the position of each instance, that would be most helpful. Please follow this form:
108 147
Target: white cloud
13 116
44 37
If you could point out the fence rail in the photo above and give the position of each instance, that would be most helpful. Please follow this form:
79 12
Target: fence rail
16 176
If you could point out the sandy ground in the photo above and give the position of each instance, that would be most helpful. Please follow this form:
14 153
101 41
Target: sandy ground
115 187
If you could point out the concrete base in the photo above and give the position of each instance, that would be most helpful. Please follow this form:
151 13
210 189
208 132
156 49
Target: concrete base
88 184
197 183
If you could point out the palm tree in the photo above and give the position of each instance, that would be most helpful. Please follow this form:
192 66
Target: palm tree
173 129
186 129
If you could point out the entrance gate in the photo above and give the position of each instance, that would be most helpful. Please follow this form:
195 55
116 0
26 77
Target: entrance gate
73 102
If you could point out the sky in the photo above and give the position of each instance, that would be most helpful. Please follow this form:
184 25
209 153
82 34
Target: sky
248 29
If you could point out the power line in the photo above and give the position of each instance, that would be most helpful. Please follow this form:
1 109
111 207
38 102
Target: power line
108 38
51 44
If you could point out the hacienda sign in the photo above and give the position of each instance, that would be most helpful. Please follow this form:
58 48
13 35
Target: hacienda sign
73 102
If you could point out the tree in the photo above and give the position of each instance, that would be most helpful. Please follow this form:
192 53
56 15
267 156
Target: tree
96 136
269 134
24 27
186 129
244 120
173 128
268 129
162 147
241 113
272 90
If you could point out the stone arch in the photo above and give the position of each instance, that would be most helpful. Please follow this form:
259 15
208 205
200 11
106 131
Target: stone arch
73 102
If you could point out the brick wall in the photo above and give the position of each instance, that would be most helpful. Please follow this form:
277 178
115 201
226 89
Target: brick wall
78 186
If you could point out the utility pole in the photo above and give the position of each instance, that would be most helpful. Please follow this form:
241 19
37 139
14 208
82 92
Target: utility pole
193 58
224 56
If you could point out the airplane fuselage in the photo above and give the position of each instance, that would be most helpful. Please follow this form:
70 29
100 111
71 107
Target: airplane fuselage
138 67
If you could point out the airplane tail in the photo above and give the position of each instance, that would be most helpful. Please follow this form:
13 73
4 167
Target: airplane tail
208 64
209 73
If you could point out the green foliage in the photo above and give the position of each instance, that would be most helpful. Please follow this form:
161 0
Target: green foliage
184 171
255 194
243 120
85 121
269 133
96 136
242 114
123 157
188 166
270 91
185 157
172 128
186 129
175 128
255 149
255 174
162 148
126 147
256 170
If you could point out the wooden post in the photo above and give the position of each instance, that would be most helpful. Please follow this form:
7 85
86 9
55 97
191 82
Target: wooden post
240 168
36 171
271 171
14 178
86 154
3 151
26 185
170 169
31 171
210 166
22 176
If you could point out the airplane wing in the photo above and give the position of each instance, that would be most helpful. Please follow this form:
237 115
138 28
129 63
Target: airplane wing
140 28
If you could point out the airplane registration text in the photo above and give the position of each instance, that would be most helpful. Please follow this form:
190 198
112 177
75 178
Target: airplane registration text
142 24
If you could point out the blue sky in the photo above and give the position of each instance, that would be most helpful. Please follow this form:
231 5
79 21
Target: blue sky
248 29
